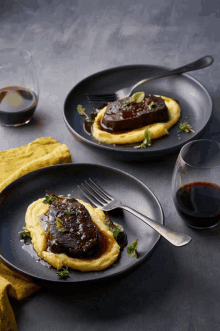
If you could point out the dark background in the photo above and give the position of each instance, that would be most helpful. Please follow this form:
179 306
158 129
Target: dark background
176 289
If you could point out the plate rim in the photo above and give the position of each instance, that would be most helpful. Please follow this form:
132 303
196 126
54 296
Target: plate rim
127 269
134 151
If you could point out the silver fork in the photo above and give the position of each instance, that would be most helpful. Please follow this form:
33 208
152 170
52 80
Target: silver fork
126 92
103 200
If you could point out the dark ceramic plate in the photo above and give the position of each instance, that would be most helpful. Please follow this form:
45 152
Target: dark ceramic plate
193 98
63 179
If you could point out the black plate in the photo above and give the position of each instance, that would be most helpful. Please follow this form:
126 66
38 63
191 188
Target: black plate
63 179
193 98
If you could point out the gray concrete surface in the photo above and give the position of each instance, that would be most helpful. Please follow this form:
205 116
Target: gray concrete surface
176 289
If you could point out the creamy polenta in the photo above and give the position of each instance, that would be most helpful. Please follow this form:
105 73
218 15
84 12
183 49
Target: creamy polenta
156 130
39 240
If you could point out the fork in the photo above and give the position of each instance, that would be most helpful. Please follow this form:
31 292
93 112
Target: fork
103 200
126 92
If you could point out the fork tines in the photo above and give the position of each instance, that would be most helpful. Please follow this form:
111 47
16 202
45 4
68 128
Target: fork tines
101 98
95 193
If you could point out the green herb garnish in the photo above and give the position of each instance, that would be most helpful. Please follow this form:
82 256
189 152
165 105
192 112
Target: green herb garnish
147 140
132 249
63 273
115 228
90 118
24 233
82 112
185 127
50 199
127 101
68 212
151 105
138 97
60 225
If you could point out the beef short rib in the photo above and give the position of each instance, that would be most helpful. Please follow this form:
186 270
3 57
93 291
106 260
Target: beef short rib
70 229
123 116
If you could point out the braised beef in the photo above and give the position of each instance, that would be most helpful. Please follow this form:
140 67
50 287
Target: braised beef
70 229
122 116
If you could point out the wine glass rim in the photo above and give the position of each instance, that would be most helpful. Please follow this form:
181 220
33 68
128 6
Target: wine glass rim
197 141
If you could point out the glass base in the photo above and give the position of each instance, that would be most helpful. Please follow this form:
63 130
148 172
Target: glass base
15 125
203 227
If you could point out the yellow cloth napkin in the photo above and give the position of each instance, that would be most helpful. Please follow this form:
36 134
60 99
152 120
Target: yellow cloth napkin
15 163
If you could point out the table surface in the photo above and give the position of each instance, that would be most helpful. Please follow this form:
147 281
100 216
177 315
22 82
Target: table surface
176 288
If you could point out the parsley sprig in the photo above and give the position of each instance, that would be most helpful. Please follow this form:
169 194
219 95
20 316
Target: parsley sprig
63 272
185 127
147 140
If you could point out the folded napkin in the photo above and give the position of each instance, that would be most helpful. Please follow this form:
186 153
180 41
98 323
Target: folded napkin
15 163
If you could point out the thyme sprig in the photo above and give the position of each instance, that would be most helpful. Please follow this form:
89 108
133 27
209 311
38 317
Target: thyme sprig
50 199
185 127
147 140
63 272
82 112
24 233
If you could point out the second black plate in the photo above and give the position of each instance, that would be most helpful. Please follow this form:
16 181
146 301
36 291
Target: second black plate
64 179
193 98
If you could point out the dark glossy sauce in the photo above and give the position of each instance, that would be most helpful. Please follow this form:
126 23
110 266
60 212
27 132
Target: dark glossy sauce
28 247
122 240
198 203
17 105
103 245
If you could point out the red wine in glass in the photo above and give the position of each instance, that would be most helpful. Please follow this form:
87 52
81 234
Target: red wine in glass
198 203
196 183
19 91
17 105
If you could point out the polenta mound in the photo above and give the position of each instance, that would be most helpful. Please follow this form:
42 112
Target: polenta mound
39 240
156 130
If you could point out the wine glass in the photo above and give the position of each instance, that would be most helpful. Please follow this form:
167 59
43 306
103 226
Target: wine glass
196 183
19 92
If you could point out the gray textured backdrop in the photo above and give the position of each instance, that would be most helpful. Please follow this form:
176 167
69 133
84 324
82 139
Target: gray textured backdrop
176 289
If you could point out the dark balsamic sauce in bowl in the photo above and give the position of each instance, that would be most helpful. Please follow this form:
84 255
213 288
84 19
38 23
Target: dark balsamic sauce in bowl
198 203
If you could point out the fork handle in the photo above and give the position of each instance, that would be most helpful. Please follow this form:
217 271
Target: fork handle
175 238
198 64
